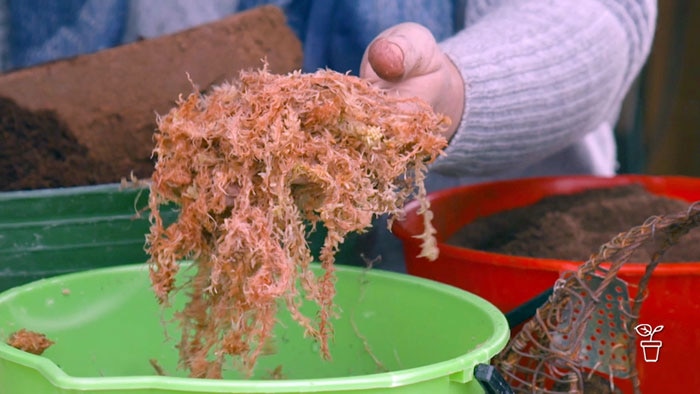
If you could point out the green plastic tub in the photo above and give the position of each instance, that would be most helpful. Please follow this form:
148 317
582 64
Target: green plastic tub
426 337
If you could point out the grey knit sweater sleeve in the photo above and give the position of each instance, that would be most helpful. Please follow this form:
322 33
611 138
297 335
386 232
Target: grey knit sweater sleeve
540 75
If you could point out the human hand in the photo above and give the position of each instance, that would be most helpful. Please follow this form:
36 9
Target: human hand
407 60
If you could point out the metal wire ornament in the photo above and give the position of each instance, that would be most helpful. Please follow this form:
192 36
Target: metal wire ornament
583 335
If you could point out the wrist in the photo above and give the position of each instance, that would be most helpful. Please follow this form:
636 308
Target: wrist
454 97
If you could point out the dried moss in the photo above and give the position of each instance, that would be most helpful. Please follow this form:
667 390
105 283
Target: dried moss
250 164
29 341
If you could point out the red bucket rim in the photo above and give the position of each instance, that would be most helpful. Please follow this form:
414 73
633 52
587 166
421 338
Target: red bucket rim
547 264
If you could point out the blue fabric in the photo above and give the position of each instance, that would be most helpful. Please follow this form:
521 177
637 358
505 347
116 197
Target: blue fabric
45 30
335 33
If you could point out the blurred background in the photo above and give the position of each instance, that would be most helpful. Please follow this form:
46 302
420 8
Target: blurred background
659 130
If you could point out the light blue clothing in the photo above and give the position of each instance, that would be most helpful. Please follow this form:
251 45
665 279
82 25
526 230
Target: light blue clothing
42 31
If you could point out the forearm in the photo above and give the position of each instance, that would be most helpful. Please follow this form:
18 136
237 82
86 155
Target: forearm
540 76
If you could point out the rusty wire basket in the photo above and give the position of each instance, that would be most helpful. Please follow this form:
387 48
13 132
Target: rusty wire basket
583 337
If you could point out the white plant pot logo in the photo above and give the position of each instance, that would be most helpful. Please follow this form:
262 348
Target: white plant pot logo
650 347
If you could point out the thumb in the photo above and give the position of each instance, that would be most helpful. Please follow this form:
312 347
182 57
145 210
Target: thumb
386 59
402 51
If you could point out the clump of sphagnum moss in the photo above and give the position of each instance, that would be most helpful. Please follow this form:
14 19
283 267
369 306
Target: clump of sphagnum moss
250 164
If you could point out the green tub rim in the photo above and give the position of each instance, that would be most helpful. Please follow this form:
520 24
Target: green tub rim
459 369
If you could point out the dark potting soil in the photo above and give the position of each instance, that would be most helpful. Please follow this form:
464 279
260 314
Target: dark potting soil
38 151
573 227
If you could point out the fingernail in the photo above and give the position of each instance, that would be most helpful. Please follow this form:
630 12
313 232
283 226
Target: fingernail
386 58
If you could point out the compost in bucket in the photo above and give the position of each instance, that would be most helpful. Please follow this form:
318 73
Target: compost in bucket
573 226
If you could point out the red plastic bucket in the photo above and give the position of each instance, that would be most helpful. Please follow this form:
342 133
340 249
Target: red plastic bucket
508 281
